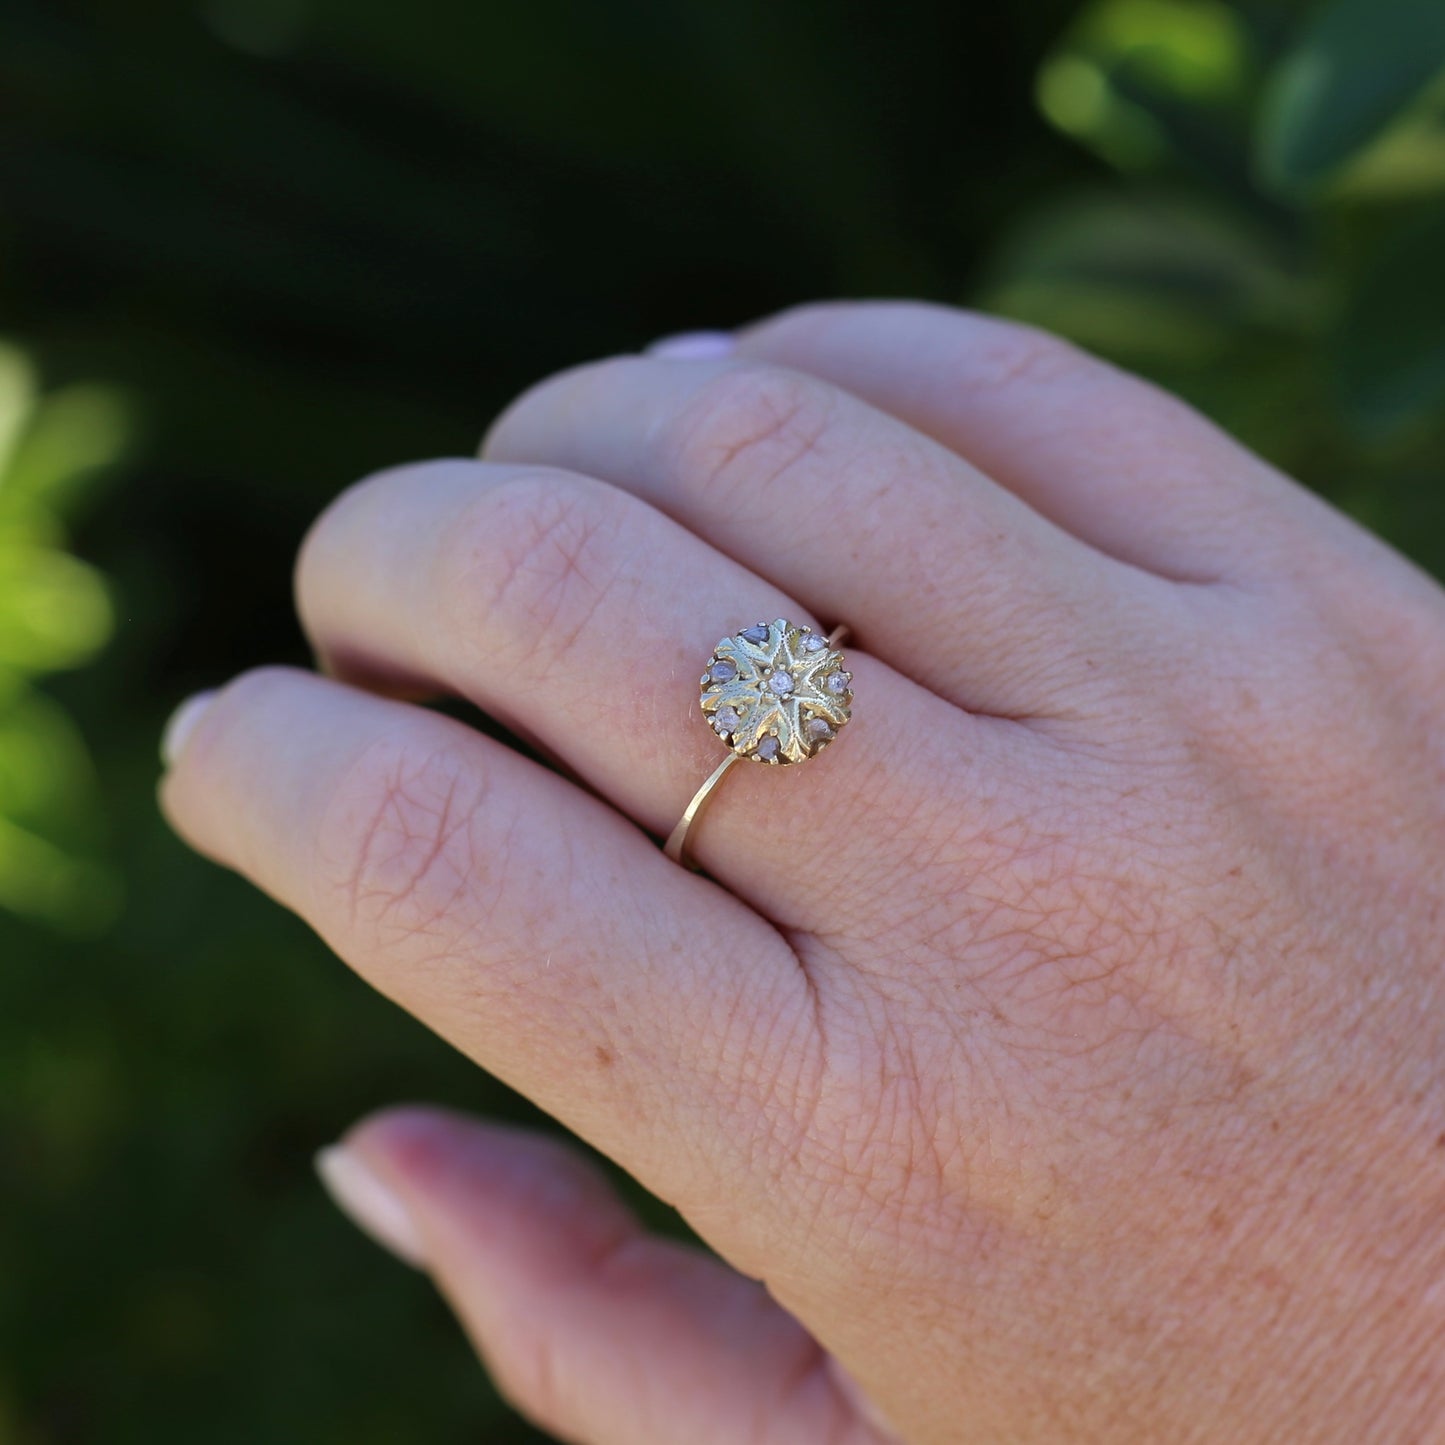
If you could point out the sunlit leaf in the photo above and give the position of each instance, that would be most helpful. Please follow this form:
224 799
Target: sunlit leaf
17 397
1190 52
1358 65
1406 163
71 433
1077 95
54 610
1190 48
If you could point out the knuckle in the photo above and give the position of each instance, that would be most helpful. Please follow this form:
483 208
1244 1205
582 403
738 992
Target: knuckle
333 524
398 843
252 690
1010 354
749 428
534 557
526 1369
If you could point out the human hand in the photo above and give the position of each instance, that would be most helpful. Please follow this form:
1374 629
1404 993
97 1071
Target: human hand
1063 1050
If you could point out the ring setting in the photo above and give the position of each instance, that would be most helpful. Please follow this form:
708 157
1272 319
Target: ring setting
776 693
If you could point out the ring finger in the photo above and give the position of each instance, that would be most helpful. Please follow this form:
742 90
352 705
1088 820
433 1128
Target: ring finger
579 615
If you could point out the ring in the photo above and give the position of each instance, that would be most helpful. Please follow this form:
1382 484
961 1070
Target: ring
775 693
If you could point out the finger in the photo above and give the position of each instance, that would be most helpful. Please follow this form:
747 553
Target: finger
520 918
583 617
1116 461
952 578
595 1329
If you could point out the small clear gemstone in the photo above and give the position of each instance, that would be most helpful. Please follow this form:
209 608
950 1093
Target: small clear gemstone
781 683
819 727
758 632
813 643
838 682
726 719
767 748
722 672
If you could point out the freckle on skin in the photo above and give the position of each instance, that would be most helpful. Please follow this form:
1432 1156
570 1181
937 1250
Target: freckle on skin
604 1057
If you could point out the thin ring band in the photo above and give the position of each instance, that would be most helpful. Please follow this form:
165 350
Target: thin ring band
676 845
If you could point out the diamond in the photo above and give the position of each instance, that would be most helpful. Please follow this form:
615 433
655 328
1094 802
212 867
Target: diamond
758 632
767 748
722 672
838 682
813 643
819 727
726 719
781 683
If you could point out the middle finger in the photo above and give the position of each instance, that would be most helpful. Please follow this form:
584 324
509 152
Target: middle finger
581 617
956 580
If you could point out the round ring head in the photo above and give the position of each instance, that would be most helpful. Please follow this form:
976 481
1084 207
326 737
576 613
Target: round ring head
776 693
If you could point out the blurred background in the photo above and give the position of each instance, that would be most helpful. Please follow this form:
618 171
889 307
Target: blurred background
253 249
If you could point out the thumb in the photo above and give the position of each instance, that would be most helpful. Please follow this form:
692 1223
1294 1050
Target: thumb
600 1332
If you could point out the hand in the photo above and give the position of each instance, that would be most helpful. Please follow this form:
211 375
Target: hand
1063 1050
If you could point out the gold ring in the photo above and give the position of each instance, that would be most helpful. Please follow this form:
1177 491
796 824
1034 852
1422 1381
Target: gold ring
775 693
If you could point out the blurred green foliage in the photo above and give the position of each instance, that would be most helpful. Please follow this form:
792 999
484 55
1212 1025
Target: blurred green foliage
54 613
252 249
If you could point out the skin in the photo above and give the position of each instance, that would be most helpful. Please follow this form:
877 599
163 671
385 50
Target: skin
1061 1052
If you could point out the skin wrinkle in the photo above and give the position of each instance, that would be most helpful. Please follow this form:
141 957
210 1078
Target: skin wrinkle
1024 355
393 819
1045 911
749 430
538 552
742 1052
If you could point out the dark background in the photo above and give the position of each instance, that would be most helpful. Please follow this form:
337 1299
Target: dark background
253 249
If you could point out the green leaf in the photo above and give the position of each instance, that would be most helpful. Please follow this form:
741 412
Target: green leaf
40 880
1391 340
1357 67
1124 61
54 610
17 399
1149 279
72 434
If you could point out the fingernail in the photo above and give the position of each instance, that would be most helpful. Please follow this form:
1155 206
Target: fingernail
369 1204
694 346
182 724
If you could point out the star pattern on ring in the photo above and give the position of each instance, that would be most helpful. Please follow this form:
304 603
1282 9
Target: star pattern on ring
776 692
